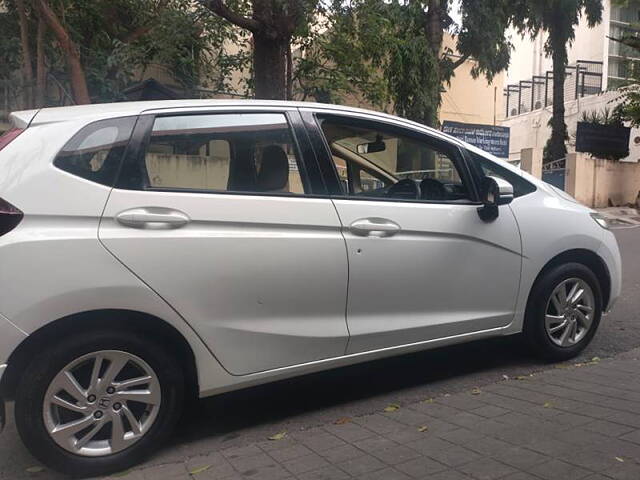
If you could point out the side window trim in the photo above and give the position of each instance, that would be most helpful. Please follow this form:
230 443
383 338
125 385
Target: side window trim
133 169
329 168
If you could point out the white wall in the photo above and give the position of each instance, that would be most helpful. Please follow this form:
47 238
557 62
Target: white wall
531 130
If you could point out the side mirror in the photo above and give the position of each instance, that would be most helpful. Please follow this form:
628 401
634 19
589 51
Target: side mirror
494 192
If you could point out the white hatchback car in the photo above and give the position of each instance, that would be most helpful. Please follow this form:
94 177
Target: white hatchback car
156 250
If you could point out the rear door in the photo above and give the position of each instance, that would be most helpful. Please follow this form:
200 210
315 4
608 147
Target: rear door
217 212
422 264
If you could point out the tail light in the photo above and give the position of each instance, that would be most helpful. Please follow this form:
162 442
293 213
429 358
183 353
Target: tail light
10 217
9 137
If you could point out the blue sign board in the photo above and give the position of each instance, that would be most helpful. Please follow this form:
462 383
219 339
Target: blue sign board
489 138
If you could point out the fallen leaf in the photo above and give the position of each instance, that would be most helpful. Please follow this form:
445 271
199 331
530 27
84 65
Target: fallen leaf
423 428
342 421
198 470
521 377
392 407
429 400
121 474
278 436
547 405
447 394
476 391
620 459
36 469
595 359
505 377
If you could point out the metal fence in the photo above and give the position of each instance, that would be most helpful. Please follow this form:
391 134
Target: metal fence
582 79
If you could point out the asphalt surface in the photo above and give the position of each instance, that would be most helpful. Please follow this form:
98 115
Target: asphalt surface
244 417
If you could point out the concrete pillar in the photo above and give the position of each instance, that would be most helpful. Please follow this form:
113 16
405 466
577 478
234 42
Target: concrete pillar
580 178
531 161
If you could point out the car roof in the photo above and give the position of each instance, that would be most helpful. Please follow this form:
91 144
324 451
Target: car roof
106 110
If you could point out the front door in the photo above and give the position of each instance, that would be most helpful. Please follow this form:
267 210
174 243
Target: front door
422 264
213 214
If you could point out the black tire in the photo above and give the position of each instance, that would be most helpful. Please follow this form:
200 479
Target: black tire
41 371
534 325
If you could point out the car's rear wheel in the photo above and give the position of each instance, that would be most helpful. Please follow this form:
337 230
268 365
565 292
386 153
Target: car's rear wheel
98 402
564 311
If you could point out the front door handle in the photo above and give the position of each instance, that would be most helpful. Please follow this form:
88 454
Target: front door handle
374 227
153 218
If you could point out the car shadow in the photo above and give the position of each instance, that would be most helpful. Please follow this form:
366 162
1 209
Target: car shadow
226 414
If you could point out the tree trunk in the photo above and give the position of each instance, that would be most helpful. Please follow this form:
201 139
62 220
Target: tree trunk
41 68
434 22
72 54
556 146
270 66
27 65
289 72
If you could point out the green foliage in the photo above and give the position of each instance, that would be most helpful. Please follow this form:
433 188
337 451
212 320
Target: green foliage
9 43
389 54
121 40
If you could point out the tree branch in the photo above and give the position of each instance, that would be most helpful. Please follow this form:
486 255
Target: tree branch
221 9
459 61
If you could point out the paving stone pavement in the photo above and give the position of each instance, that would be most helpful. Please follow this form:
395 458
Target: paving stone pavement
574 421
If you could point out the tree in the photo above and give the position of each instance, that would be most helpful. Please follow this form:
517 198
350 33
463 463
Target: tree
392 52
70 51
558 19
272 24
100 47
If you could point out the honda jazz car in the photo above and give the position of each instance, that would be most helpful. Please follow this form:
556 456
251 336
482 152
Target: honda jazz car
155 251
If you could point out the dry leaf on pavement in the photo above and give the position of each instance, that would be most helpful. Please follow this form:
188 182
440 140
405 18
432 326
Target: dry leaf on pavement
392 407
342 421
278 436
198 470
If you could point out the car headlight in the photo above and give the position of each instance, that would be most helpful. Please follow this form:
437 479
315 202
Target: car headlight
600 220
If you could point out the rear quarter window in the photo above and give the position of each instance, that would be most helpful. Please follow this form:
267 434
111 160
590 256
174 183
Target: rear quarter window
96 151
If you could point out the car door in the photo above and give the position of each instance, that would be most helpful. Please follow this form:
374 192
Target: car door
421 266
213 210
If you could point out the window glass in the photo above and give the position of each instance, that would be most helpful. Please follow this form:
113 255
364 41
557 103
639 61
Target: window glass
95 152
373 160
520 185
243 152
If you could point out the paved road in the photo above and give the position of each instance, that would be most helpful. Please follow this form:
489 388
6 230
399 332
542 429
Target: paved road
241 418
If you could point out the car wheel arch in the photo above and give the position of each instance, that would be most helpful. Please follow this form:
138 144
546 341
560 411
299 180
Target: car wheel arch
94 320
588 258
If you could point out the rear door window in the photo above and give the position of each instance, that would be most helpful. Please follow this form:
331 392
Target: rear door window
240 152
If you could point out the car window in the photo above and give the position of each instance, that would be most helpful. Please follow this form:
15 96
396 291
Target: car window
243 152
520 185
374 160
95 152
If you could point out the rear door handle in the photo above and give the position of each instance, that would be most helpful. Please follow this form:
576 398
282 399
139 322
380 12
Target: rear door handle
374 227
153 218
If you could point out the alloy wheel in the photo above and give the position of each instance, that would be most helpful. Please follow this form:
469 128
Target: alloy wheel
569 312
102 403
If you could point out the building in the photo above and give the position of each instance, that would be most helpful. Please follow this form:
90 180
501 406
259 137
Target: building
597 66
590 45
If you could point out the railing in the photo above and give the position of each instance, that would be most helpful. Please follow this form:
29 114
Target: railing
556 165
581 80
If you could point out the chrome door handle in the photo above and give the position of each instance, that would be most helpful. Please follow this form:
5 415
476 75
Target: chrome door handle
374 227
153 218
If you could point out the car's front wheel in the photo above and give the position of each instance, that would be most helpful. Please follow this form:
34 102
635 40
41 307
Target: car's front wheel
563 312
98 402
